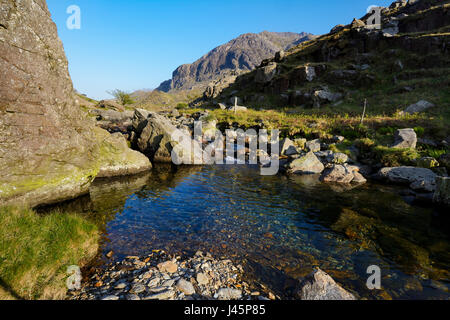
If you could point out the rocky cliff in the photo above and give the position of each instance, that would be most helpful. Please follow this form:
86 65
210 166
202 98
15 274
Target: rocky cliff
238 55
49 151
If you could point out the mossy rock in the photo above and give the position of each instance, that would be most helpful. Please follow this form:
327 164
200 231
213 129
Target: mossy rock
116 158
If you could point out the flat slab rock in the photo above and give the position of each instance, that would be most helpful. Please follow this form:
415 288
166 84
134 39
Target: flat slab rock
421 179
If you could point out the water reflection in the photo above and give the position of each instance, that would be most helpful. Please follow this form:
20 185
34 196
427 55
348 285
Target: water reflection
280 227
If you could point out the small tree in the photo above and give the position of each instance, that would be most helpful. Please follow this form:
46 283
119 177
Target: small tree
122 97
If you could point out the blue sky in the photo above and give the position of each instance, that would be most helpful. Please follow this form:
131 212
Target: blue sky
137 44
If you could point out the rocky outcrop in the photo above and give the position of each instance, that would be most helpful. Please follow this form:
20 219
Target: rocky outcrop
266 74
320 286
49 149
238 55
344 61
420 179
405 138
442 194
215 88
160 137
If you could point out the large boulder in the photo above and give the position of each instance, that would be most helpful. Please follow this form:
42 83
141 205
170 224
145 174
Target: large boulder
48 151
417 178
117 159
160 137
320 286
420 106
405 138
339 174
306 164
442 194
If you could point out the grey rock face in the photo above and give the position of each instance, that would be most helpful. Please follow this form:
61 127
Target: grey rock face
320 286
405 138
48 151
417 178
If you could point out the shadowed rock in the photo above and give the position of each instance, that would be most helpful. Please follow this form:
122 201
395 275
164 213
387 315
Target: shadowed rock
417 178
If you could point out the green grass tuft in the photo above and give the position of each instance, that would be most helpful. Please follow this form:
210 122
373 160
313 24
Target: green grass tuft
36 250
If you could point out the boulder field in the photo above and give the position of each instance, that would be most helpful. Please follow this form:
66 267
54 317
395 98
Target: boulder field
49 150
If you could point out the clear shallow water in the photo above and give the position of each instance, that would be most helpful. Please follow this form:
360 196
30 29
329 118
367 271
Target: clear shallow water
279 227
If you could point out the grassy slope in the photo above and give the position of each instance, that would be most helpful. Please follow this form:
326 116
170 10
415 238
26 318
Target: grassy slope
35 252
161 101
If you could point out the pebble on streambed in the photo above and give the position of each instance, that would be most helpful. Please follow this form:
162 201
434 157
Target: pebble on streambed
162 277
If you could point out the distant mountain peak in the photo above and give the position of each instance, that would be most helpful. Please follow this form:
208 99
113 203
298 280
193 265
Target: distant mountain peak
241 54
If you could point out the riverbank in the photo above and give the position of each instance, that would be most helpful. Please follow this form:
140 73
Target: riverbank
36 250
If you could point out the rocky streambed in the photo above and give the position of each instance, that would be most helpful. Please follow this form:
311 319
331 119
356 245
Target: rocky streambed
159 276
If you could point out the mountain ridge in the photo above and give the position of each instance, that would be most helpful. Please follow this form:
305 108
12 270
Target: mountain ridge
238 55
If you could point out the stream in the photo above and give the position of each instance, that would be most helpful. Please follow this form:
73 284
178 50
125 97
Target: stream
278 227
